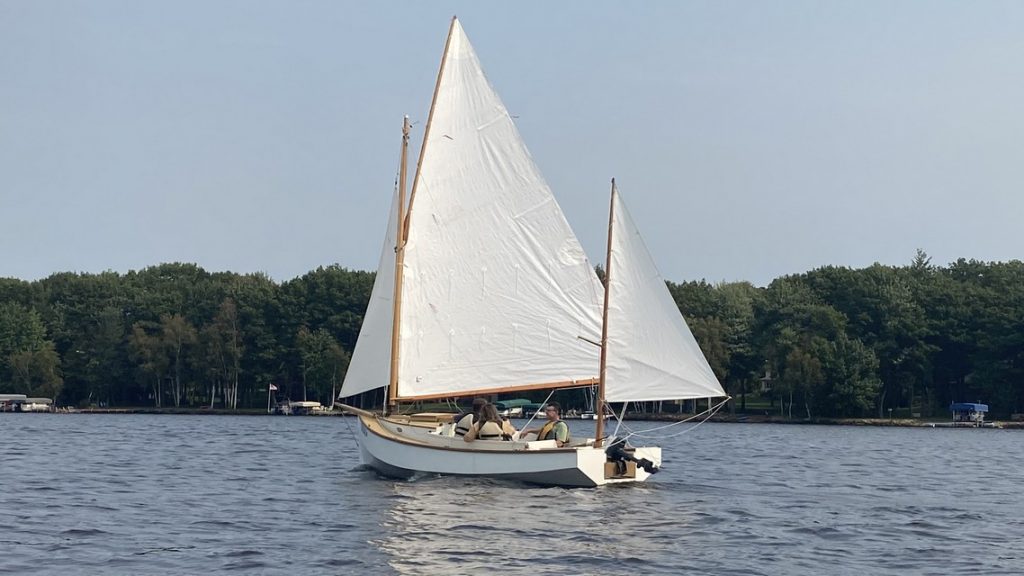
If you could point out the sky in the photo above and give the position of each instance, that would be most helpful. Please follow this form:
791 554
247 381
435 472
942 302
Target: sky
750 139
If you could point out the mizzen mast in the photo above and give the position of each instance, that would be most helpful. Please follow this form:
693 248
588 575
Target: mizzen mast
399 261
599 408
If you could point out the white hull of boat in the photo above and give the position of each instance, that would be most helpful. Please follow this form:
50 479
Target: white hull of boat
402 451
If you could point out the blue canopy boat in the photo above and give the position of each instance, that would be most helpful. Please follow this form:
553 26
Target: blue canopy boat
968 414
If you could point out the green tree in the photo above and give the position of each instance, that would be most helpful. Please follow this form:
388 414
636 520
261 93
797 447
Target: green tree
38 371
801 376
222 341
28 361
149 353
261 321
178 338
323 362
21 328
850 377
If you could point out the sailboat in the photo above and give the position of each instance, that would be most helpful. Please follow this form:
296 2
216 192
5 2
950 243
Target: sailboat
591 402
482 288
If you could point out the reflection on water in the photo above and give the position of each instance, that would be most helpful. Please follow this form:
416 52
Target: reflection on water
448 525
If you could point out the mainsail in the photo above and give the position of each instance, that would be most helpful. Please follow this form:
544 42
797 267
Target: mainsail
496 288
652 355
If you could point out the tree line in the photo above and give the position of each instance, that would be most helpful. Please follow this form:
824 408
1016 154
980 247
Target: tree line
832 342
842 342
176 335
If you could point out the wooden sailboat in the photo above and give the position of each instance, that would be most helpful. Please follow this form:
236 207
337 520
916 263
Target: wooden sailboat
483 288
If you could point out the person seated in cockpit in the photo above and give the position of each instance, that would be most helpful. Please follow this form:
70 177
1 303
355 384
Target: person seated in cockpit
490 426
464 421
554 429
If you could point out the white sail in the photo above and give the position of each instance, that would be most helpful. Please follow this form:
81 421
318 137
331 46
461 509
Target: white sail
496 287
370 366
652 355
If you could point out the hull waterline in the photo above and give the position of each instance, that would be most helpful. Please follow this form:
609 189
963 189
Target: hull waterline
398 451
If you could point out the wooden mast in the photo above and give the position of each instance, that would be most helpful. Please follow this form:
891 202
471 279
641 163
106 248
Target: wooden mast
403 225
399 266
599 409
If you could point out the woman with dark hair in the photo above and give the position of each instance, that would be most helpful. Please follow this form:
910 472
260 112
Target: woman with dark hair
464 421
490 426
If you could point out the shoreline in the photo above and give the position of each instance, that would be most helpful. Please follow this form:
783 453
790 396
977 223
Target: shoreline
888 422
720 418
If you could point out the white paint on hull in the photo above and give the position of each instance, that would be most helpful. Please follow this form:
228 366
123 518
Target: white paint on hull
396 452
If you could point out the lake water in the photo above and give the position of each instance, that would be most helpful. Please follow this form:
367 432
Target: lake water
151 494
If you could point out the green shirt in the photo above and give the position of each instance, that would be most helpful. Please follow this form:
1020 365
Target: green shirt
557 431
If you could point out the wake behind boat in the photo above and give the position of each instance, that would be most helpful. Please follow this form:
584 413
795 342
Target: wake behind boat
483 288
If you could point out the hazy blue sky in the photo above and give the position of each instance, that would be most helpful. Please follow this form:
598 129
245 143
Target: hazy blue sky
750 139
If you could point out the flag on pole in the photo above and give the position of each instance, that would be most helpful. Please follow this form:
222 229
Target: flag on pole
272 388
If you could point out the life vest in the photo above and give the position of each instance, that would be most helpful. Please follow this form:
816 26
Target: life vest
549 430
464 424
490 431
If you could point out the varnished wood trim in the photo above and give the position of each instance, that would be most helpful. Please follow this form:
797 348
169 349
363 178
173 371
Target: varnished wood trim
567 384
376 428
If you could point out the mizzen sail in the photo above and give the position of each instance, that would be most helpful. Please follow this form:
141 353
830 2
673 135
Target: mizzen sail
652 355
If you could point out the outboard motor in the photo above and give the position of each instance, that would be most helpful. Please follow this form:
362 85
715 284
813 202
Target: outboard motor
620 452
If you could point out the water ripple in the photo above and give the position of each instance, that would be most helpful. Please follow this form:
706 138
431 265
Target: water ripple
131 494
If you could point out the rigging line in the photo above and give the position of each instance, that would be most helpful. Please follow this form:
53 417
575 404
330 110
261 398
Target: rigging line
525 426
644 433
694 427
348 425
712 410
709 413
618 418
398 176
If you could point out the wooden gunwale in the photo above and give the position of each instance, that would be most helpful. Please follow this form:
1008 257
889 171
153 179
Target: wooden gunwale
375 427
